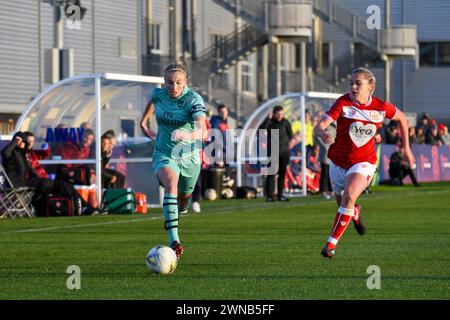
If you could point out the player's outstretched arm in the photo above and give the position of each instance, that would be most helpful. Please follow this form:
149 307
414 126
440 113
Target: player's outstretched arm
321 126
144 121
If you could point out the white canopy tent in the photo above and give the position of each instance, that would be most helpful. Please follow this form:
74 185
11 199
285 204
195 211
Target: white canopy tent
105 101
294 105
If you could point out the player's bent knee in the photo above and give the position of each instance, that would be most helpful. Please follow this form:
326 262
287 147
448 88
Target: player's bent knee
349 198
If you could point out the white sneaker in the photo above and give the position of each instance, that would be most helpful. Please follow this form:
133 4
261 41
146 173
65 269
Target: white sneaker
196 207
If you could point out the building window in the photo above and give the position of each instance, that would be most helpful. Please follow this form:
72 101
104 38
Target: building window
434 54
154 40
247 76
298 57
128 48
427 54
444 54
7 123
325 55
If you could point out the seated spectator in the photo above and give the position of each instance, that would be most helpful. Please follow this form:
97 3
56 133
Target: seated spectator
72 150
312 158
399 168
21 174
424 122
443 134
412 135
294 176
111 179
296 125
392 134
34 156
420 135
432 136
76 173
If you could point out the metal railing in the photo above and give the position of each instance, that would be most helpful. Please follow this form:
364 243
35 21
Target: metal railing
235 45
215 89
353 24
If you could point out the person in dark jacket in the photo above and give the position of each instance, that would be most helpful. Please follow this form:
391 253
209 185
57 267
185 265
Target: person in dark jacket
278 122
21 173
399 168
18 168
111 179
34 155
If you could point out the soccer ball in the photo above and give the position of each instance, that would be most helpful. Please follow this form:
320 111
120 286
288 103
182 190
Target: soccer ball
161 259
210 194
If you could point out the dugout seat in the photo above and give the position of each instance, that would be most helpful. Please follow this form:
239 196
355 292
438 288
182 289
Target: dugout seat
14 202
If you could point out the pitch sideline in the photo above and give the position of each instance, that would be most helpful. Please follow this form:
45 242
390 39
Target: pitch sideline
245 207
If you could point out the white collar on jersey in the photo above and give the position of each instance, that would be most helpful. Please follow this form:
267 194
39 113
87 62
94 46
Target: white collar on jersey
359 104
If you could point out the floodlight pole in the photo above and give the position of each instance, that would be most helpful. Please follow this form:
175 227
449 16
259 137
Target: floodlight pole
98 128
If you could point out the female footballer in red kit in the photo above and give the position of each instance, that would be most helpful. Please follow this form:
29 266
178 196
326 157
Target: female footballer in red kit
358 115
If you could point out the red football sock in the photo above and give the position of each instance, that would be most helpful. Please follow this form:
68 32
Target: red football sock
341 221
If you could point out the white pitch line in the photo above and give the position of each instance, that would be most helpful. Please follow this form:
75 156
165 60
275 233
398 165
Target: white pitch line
229 209
80 225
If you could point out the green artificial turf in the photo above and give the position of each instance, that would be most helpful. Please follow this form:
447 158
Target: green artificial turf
239 249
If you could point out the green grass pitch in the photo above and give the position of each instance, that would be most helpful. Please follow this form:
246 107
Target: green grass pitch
239 249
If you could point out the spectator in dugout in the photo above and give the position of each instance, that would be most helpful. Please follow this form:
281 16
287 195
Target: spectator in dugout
34 155
220 122
22 174
111 179
76 173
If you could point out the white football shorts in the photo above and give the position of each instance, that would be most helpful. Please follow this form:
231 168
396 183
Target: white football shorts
338 175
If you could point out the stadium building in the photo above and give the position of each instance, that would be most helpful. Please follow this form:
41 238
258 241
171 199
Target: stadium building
239 52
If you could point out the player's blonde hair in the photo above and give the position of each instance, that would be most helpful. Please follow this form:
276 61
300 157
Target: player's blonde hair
368 75
176 66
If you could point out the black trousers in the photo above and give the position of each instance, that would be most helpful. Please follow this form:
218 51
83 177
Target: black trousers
197 193
278 179
325 183
402 173
118 184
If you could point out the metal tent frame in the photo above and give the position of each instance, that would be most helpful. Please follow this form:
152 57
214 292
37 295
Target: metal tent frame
77 93
258 116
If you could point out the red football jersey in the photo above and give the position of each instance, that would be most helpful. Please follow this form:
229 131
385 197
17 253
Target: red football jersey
357 125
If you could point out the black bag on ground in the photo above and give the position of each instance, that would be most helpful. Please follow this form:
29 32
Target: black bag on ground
246 192
78 175
62 206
